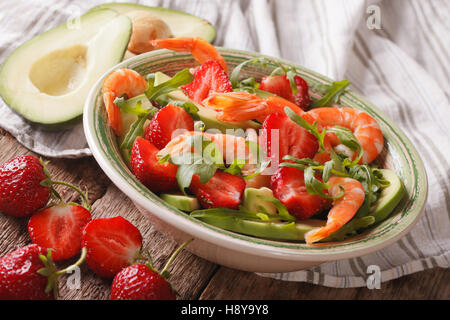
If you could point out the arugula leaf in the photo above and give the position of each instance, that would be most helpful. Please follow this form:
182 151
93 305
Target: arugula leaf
234 77
315 186
181 78
311 128
261 161
127 107
281 208
348 139
185 172
136 130
235 167
260 93
333 94
290 75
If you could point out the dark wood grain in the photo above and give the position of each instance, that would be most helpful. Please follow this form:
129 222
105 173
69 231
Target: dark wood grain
192 277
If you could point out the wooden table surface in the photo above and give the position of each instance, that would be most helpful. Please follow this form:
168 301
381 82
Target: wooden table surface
192 277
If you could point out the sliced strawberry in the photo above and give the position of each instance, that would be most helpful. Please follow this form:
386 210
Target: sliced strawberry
281 86
292 139
210 77
144 164
301 98
278 85
111 244
59 228
165 125
288 186
222 190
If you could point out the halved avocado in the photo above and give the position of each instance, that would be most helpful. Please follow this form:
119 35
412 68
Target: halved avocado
48 78
181 24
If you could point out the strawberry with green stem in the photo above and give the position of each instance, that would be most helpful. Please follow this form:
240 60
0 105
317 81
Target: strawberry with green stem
60 224
144 282
29 273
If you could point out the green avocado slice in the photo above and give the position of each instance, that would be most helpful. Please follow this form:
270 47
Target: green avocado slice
268 230
181 24
48 78
182 202
390 196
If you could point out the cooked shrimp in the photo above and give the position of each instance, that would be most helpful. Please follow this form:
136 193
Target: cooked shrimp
243 106
364 127
117 83
232 147
200 49
343 210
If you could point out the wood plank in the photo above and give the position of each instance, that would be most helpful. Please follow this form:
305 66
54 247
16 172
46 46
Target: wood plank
231 284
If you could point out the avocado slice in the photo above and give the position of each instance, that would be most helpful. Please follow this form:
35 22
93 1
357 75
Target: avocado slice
182 202
181 24
290 231
48 78
390 196
253 203
208 116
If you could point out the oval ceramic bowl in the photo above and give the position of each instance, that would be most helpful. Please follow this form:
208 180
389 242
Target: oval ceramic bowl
240 251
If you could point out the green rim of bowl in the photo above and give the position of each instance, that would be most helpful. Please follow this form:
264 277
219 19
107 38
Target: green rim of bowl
399 155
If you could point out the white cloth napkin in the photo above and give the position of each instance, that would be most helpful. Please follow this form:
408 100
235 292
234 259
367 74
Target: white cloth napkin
402 67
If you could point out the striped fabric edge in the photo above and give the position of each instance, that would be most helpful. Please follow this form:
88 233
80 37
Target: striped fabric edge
327 280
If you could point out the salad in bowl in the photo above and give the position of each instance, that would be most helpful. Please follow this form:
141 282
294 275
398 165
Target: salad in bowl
269 157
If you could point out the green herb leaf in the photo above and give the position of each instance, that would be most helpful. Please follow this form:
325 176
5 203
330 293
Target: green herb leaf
127 107
333 94
290 75
235 167
315 186
234 77
136 130
311 128
181 78
281 208
348 139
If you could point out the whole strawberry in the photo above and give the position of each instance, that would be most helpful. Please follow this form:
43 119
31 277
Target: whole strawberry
143 282
19 277
140 282
30 274
21 192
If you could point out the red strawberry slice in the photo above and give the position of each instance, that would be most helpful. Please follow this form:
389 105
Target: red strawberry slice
281 86
163 127
222 190
210 77
278 85
59 228
301 98
288 186
144 164
292 139
112 244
